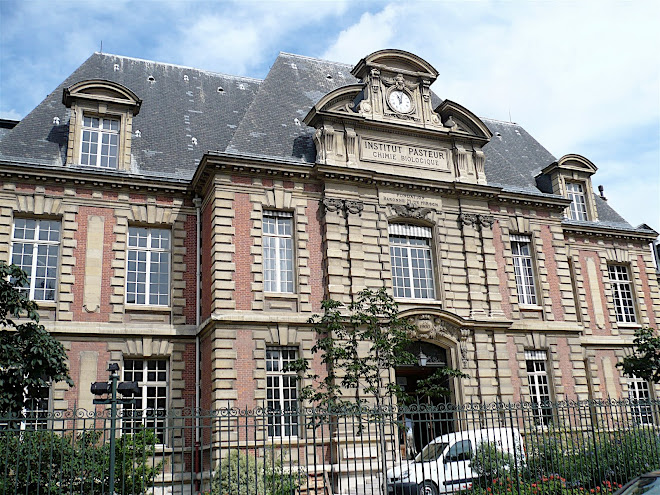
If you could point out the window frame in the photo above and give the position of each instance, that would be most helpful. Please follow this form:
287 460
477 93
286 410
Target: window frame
577 209
269 284
292 425
412 232
143 419
35 243
527 292
543 416
149 250
640 390
620 302
99 142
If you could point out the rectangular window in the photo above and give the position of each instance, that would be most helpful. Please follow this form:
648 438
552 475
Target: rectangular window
539 387
150 411
35 249
624 304
411 259
36 410
281 392
523 267
638 390
578 208
278 251
148 266
99 145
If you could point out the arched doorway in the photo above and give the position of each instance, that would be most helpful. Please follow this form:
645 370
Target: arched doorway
427 393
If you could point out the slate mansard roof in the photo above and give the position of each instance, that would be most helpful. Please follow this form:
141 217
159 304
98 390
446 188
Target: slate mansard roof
182 118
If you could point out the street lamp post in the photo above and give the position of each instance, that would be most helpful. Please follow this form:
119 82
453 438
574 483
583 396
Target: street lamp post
111 387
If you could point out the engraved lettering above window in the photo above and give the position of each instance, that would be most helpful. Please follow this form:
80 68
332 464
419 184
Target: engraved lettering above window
523 267
278 251
35 249
411 260
148 266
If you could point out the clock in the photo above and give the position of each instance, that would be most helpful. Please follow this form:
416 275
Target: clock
400 101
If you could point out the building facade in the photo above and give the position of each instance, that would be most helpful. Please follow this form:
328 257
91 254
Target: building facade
186 225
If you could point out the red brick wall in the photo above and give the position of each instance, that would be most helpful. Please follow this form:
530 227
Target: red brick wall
245 365
82 218
188 375
643 278
206 373
566 367
551 268
584 256
74 367
514 367
207 262
242 258
315 246
190 275
501 273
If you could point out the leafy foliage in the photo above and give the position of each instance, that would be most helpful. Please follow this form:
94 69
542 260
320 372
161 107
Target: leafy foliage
489 462
241 473
357 347
43 461
435 386
645 360
30 358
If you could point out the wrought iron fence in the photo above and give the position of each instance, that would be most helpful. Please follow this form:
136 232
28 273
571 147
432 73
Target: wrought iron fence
523 448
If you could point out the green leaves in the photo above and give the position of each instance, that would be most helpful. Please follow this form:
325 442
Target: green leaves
30 358
645 361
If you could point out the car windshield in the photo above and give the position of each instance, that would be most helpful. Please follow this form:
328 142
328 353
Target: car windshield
646 486
431 452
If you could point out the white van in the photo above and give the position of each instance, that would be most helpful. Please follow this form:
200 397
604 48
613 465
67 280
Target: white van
444 466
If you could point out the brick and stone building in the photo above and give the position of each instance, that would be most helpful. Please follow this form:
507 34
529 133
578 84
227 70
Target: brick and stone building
186 224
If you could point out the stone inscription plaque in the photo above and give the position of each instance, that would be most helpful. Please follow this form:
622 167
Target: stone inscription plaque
402 154
392 198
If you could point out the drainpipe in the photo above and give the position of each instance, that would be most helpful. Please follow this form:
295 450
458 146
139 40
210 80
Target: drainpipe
198 307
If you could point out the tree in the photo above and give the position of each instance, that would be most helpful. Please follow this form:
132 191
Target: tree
30 358
645 360
360 347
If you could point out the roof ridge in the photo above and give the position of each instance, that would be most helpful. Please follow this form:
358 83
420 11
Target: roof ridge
500 121
306 57
223 74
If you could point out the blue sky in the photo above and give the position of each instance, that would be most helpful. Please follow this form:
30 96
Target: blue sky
581 77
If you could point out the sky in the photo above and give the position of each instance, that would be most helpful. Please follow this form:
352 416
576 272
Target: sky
581 77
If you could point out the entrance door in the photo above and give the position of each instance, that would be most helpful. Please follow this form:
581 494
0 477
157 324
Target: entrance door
424 416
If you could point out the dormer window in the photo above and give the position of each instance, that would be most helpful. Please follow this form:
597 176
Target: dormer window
570 176
100 142
578 208
100 129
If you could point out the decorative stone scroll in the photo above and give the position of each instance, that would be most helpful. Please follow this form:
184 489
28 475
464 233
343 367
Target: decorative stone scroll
477 221
347 205
409 211
431 327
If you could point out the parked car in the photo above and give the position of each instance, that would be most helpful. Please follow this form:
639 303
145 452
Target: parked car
444 464
647 484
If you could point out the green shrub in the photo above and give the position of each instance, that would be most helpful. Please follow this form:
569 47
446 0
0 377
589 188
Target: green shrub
490 462
241 473
43 461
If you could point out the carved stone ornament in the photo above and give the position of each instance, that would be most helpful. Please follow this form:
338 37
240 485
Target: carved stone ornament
332 205
431 327
409 211
476 220
354 207
346 205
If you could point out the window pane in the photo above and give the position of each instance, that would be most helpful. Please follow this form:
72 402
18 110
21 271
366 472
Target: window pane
412 267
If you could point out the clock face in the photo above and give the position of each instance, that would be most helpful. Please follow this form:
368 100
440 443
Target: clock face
400 101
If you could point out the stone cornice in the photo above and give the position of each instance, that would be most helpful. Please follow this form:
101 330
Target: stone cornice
65 176
608 232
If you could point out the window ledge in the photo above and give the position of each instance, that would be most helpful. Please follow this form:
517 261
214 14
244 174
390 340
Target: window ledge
632 324
281 295
530 307
147 308
420 300
46 304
